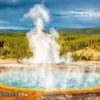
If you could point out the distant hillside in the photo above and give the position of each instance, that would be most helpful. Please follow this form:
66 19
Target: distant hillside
81 31
12 30
64 31
87 53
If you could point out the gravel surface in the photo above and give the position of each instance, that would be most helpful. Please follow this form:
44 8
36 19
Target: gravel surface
95 96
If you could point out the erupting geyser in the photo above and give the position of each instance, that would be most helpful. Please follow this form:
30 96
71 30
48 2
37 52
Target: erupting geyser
43 45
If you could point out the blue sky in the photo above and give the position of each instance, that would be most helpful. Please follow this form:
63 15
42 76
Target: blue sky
63 13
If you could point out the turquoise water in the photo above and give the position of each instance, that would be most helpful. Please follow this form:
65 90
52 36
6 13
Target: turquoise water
59 80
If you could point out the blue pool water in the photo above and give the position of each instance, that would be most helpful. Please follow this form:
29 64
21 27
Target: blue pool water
58 80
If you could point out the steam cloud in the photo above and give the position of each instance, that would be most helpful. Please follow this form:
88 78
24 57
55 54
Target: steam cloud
43 45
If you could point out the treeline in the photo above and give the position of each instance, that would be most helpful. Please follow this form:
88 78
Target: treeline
81 31
76 42
16 44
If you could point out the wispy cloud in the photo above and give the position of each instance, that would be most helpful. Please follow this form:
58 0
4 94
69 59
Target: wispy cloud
91 14
4 22
12 27
87 15
14 1
9 2
78 13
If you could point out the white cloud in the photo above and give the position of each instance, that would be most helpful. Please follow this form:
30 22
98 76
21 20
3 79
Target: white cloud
82 15
12 27
14 0
90 14
8 1
4 22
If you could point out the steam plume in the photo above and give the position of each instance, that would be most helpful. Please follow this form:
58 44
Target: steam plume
43 45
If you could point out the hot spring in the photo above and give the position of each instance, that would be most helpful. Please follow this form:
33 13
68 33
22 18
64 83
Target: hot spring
62 78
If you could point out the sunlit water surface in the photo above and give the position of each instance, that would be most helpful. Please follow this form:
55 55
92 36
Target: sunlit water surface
60 80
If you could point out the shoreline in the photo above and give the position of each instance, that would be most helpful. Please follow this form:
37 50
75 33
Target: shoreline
14 60
83 67
67 91
35 94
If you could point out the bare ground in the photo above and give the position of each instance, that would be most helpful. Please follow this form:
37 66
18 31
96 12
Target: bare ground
89 96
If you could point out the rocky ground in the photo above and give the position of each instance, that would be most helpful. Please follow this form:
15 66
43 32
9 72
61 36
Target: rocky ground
85 67
95 96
